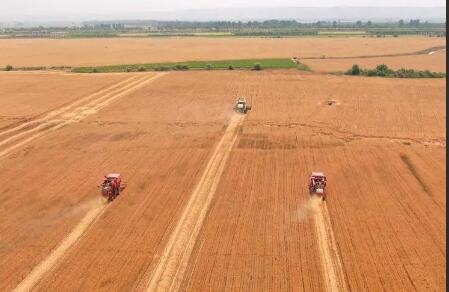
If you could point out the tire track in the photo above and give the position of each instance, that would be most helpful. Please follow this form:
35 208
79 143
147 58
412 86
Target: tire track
169 272
97 208
70 113
65 108
48 121
330 258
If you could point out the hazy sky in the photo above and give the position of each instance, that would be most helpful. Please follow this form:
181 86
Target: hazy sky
48 7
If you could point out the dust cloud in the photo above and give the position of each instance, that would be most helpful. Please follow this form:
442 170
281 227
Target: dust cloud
308 209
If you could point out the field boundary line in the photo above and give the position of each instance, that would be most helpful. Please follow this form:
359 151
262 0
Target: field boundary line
57 254
169 271
329 254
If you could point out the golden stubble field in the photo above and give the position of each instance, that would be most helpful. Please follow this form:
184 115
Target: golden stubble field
216 200
112 51
433 61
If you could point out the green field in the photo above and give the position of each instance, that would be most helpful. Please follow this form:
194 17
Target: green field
247 64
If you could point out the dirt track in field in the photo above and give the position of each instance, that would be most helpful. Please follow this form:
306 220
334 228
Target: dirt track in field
104 51
330 256
26 132
381 144
96 209
28 96
170 270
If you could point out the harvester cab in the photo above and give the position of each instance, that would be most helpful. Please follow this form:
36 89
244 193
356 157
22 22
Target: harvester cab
242 105
317 184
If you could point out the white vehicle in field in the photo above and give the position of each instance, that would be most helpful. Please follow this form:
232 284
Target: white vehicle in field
242 105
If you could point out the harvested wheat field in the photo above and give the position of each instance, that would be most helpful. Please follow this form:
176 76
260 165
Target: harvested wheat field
433 61
217 200
104 51
28 95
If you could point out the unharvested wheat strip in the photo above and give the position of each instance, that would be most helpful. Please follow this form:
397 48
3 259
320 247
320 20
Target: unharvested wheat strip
67 107
169 272
33 278
77 117
330 258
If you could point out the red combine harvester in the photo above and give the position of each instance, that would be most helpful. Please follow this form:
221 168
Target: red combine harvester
317 184
111 186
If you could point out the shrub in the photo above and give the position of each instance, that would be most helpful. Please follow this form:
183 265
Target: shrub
383 70
230 67
129 69
209 67
429 74
355 70
370 72
257 67
303 67
162 68
95 70
8 68
181 67
395 36
141 69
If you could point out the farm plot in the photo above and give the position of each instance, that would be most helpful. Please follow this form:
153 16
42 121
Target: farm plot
109 51
432 62
386 196
381 143
159 138
27 95
45 194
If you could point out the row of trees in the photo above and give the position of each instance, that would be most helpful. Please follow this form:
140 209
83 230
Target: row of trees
267 24
382 70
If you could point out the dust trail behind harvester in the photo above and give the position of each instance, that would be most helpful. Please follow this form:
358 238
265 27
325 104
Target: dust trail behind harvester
330 258
96 208
308 209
